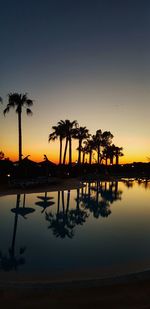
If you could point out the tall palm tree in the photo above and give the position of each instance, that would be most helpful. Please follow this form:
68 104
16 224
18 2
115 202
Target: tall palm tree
1 100
68 128
98 138
90 146
19 101
58 133
81 134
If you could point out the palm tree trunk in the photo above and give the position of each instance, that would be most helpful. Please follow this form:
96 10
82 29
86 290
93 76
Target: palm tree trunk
60 151
65 151
117 159
90 157
70 151
20 136
98 155
83 159
79 154
106 161
111 160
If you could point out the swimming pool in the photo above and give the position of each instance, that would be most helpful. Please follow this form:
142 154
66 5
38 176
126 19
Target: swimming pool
102 229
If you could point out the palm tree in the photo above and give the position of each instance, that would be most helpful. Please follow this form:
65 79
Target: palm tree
101 139
98 141
68 128
2 155
19 101
81 133
84 150
90 146
58 133
118 153
109 153
1 100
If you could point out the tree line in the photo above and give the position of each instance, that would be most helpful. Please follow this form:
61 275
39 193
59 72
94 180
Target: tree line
66 130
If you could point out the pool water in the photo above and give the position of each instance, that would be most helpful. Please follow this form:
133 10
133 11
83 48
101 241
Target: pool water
103 228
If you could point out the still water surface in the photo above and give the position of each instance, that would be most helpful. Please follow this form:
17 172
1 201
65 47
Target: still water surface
103 228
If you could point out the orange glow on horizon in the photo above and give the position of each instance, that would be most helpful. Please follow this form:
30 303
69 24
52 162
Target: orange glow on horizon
37 157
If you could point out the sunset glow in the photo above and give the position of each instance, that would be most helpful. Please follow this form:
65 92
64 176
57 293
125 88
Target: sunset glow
88 63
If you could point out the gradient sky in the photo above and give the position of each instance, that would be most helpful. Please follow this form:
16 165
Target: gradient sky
77 59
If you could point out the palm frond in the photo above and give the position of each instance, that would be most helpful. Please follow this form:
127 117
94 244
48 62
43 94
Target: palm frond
29 102
29 112
52 136
6 110
13 99
24 98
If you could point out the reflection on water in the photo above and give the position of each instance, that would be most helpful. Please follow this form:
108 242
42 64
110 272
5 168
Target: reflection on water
45 201
64 221
99 202
13 260
78 217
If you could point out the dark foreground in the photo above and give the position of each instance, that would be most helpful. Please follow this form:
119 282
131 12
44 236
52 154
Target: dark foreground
132 292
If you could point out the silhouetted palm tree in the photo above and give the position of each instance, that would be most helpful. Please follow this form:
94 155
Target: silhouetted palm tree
109 153
68 128
59 132
112 151
97 138
101 139
2 155
81 134
90 146
118 153
84 150
19 101
1 100
107 138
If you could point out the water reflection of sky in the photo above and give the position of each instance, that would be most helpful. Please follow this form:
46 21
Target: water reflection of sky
100 226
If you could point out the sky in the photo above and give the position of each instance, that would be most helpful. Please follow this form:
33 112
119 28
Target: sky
84 60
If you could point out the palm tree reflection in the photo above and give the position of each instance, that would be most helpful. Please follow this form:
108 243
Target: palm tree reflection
97 197
13 260
78 216
60 222
23 211
45 201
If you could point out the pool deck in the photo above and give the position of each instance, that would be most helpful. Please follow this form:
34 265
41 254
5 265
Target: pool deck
55 185
127 291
